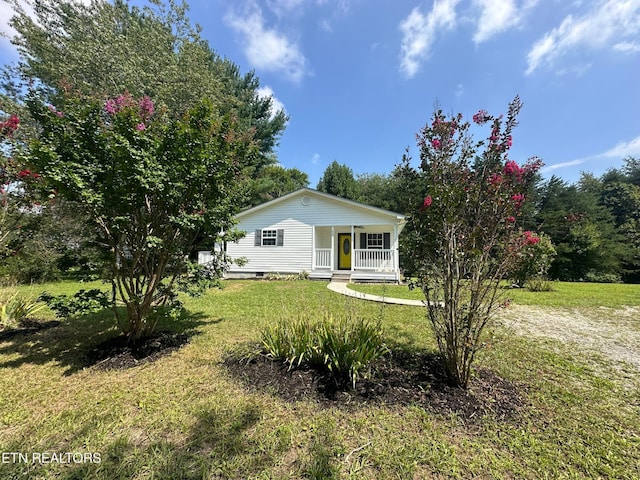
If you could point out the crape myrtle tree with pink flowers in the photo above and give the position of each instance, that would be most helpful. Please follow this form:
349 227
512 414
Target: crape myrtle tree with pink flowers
463 237
153 183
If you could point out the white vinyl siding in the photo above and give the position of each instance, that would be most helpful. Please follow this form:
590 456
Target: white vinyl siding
291 254
297 221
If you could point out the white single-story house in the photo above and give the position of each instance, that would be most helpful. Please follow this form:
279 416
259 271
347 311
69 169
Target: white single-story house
321 234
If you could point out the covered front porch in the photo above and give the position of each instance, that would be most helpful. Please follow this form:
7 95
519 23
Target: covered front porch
356 252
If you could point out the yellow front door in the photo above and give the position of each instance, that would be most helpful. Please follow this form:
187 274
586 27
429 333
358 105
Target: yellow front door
344 251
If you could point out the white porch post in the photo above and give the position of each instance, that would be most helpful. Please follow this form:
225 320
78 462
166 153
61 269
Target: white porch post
313 248
352 248
333 247
396 252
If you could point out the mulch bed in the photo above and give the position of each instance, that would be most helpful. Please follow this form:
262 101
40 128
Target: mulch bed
119 354
27 326
402 378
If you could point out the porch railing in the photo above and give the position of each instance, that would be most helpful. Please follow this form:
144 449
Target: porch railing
373 259
323 258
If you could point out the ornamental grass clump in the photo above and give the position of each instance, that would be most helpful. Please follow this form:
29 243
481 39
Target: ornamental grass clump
341 346
16 307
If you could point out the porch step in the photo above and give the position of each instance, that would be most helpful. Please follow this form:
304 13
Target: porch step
341 277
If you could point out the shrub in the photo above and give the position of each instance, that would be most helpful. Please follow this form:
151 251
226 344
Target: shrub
540 284
304 275
600 277
533 258
342 346
14 308
80 303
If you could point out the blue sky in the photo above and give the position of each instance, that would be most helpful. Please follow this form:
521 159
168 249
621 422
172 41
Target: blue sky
359 78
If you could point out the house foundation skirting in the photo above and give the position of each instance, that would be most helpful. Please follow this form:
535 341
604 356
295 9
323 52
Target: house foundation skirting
356 276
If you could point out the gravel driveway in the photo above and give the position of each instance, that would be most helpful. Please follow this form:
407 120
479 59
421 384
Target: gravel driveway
612 333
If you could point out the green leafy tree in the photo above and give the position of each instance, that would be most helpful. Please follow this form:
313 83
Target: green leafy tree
112 47
464 241
151 182
275 181
55 240
109 48
580 227
338 180
375 189
620 193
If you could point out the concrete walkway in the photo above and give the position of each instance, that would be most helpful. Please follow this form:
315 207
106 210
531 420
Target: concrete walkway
341 288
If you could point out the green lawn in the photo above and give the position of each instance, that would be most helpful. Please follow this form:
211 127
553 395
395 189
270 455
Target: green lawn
564 294
184 417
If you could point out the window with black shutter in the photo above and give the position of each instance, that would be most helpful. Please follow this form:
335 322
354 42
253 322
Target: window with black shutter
269 238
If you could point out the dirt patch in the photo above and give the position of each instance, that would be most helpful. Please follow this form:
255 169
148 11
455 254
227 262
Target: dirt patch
119 354
402 378
28 326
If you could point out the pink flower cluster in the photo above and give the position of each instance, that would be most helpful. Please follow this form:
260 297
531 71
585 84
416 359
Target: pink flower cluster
144 105
115 105
518 199
481 117
8 127
495 179
531 238
444 127
57 112
26 173
515 171
512 169
513 175
147 107
427 202
494 136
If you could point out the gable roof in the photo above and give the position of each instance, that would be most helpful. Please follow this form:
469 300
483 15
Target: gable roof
334 198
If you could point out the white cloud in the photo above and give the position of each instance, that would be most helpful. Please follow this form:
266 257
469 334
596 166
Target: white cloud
284 5
276 105
496 17
620 151
7 32
625 149
7 12
315 159
627 47
419 32
609 22
572 163
268 49
286 8
325 25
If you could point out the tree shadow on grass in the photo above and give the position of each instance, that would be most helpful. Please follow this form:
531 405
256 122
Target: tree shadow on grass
73 342
219 445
